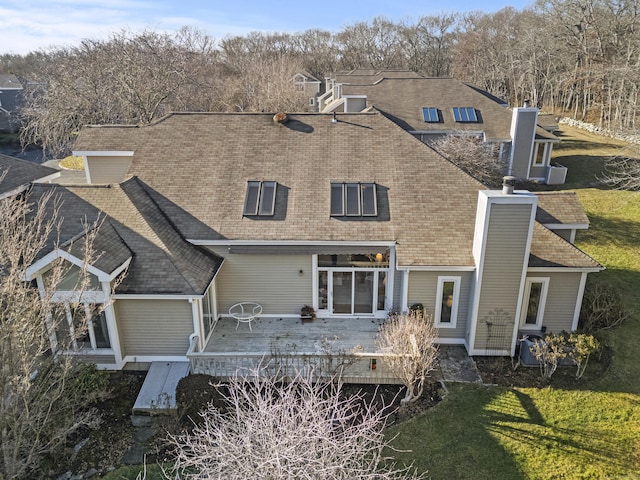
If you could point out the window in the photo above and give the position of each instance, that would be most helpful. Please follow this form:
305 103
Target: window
80 327
353 200
465 114
535 295
260 199
539 150
430 115
447 297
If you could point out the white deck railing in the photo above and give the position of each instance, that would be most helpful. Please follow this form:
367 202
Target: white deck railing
356 367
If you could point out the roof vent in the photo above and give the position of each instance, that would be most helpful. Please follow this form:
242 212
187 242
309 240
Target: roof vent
527 102
281 117
508 183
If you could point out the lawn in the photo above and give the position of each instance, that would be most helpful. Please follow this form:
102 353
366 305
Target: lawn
590 429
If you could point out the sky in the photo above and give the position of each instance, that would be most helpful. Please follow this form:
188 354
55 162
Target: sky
29 25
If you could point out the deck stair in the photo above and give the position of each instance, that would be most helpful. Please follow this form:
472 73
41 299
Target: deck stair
158 393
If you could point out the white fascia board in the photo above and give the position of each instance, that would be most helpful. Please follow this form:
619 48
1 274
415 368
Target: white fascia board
154 358
14 192
437 268
120 269
103 153
48 178
150 296
517 197
451 341
260 243
566 226
44 262
354 96
564 269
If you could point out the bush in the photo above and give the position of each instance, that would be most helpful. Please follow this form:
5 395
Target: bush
602 307
194 393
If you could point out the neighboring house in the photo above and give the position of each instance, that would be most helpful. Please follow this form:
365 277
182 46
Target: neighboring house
10 93
347 213
17 175
311 86
431 107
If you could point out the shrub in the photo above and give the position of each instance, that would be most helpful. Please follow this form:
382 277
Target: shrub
602 307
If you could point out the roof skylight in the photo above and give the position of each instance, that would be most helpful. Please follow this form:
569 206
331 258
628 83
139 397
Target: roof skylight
430 115
465 114
353 200
260 199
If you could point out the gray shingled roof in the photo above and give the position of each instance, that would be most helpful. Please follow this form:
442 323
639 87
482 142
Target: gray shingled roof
196 167
130 223
402 100
20 173
560 208
9 81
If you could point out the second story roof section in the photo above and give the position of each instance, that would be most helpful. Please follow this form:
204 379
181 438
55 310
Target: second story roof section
16 175
10 98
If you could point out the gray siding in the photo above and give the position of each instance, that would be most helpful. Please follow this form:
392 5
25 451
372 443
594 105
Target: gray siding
562 296
423 288
108 169
523 137
273 281
356 104
564 233
538 172
502 275
154 327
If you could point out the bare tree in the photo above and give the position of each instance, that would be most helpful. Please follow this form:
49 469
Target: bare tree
471 154
623 171
43 395
272 428
410 340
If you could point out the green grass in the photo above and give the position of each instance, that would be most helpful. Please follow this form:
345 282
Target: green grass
589 431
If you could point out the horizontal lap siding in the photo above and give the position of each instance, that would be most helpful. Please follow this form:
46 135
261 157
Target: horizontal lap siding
562 296
108 169
423 287
273 281
154 327
502 275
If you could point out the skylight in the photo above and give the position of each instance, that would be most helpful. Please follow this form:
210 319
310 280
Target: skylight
260 199
353 200
465 114
430 114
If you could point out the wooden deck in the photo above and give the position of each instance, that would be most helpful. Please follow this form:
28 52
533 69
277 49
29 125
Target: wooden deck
327 346
290 335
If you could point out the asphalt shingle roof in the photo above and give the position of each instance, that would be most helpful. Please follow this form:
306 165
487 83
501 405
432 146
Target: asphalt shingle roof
560 208
131 224
19 173
402 100
196 168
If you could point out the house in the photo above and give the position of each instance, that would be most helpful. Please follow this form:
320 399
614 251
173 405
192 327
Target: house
16 175
10 92
311 86
431 107
346 212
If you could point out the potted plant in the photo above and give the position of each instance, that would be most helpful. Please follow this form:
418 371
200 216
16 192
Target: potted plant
307 313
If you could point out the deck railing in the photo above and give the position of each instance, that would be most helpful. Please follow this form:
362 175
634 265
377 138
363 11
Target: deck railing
352 367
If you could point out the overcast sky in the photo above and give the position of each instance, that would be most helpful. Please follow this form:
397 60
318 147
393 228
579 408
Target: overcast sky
28 25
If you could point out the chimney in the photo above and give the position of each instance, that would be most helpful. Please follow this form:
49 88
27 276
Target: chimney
281 117
523 131
508 184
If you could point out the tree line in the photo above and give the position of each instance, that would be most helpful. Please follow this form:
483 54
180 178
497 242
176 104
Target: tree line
576 57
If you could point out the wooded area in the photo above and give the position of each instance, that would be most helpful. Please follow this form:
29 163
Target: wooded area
580 58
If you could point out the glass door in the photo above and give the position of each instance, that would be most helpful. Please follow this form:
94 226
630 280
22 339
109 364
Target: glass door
342 292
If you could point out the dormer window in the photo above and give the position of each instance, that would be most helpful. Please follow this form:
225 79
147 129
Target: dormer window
430 114
353 200
465 114
260 199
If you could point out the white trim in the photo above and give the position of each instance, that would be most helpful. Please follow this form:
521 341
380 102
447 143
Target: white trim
112 324
405 291
487 352
196 318
438 268
47 178
564 269
134 296
565 226
101 153
483 214
86 296
153 358
37 267
454 305
576 312
451 341
541 305
391 276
